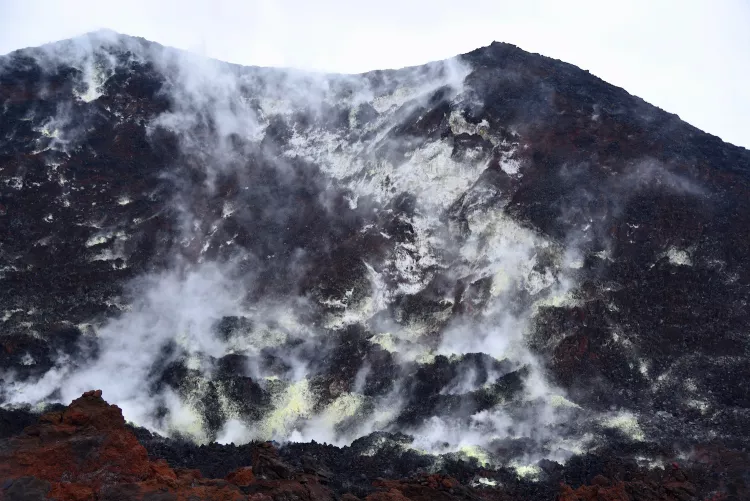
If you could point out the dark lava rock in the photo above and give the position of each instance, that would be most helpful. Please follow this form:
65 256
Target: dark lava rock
460 244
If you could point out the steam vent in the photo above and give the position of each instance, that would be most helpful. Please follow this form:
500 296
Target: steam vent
494 277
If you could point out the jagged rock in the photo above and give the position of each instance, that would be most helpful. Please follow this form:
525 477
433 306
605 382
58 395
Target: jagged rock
267 465
403 241
241 477
86 452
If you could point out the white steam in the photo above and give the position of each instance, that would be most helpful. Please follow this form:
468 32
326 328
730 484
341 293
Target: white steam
212 106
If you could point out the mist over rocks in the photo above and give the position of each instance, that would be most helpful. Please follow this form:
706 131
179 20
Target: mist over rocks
85 451
497 259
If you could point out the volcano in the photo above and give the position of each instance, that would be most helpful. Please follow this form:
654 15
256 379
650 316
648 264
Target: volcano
495 276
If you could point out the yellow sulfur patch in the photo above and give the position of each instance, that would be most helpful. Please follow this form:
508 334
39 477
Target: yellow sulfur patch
476 452
530 472
294 402
628 424
560 401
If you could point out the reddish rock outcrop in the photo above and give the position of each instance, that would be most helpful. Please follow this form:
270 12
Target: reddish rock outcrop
673 487
86 452
427 487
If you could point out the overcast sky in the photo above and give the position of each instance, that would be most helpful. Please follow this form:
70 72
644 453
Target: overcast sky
690 57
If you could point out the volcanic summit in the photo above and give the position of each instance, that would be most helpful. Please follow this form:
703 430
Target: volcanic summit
491 277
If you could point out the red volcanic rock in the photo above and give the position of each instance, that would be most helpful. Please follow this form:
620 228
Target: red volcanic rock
86 452
86 443
597 492
390 495
426 487
604 489
241 476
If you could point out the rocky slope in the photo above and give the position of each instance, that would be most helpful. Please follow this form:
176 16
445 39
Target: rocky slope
86 452
497 267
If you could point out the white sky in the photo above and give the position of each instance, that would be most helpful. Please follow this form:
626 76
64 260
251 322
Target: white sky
690 57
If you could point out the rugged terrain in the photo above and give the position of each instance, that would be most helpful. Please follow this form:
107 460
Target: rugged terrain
496 268
85 451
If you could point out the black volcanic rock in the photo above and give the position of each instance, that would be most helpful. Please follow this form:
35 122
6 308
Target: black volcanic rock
490 264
